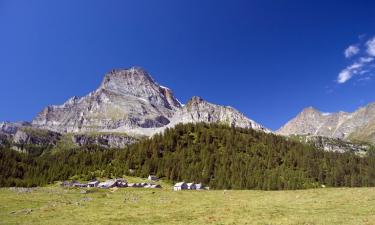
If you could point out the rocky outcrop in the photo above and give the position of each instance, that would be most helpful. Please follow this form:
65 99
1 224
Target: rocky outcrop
358 126
35 136
199 110
333 144
10 128
103 140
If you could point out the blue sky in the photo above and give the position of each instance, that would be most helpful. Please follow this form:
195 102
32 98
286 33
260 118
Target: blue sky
268 59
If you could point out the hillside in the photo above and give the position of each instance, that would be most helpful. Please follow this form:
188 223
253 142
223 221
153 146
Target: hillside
219 156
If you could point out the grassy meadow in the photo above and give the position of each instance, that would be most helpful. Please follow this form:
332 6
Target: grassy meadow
56 205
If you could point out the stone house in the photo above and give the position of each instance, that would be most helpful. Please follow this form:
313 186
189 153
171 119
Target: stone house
152 178
180 186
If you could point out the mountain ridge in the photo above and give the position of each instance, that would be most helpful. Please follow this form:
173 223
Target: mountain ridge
131 101
355 126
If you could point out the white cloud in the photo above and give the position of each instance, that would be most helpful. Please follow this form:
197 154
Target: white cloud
351 51
363 62
356 68
345 75
366 59
371 46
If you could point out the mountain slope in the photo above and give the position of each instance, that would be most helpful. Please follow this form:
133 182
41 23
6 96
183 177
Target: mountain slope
199 110
356 126
131 101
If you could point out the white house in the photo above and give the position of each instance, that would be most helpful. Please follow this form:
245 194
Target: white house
79 185
180 186
191 186
93 183
120 182
107 184
199 186
152 178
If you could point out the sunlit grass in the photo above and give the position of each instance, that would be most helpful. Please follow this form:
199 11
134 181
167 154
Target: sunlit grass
55 205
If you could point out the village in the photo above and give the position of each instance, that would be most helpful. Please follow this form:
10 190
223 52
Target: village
122 183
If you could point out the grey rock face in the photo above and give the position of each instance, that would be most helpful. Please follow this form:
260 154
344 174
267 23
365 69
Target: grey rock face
333 144
359 125
35 136
10 128
103 140
199 110
126 99
130 101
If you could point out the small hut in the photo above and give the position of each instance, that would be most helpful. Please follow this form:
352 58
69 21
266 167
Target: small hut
152 178
93 183
191 186
180 186
107 184
199 186
79 185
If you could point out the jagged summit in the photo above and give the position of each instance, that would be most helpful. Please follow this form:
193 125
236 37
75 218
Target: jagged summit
359 125
137 82
310 109
131 101
199 110
125 80
126 98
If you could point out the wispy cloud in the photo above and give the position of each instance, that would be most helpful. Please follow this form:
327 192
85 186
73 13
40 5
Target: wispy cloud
351 51
362 64
356 68
371 46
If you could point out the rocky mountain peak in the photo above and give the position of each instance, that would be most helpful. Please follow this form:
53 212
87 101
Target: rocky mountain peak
127 81
126 98
310 109
358 125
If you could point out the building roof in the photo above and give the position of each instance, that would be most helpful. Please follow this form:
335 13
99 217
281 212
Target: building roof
107 183
93 182
179 184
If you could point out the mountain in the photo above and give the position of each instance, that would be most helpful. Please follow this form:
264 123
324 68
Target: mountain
126 99
199 110
355 126
130 101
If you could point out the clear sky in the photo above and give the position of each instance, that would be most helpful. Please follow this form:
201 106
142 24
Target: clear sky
268 59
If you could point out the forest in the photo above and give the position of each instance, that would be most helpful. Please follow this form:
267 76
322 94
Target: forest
216 155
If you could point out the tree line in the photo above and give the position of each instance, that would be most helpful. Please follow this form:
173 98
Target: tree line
216 155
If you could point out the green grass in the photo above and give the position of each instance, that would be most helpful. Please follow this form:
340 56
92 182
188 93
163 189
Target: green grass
55 205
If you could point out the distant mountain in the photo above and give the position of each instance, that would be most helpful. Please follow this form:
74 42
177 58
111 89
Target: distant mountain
356 126
130 101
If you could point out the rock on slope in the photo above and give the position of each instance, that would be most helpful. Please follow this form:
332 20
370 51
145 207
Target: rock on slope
130 101
356 126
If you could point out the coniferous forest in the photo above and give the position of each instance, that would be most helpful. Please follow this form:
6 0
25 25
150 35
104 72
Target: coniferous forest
216 155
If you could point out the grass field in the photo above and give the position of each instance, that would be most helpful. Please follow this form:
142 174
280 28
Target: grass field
55 205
